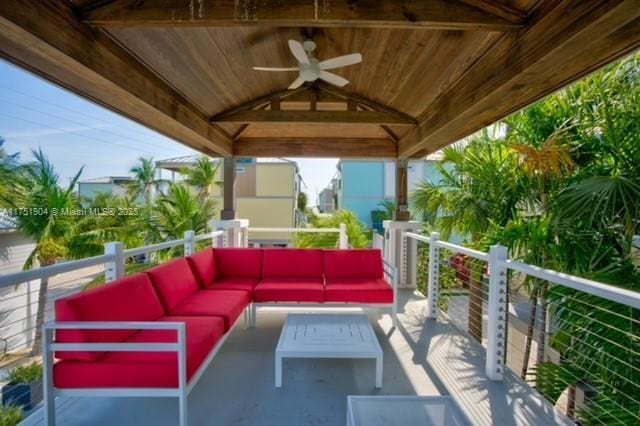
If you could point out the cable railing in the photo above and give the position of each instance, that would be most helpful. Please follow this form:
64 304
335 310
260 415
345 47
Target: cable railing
575 340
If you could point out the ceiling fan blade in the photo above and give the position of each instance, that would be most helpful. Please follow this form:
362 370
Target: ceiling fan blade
298 52
334 79
296 83
276 69
340 61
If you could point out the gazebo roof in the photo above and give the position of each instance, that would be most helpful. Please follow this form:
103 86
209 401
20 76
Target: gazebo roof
432 71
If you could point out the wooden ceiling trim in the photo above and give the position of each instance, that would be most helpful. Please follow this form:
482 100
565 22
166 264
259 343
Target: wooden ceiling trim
499 9
432 14
315 147
45 37
257 103
297 116
505 72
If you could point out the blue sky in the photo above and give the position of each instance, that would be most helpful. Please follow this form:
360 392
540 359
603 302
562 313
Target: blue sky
74 132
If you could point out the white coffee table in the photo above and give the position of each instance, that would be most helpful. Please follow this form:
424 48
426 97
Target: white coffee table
328 336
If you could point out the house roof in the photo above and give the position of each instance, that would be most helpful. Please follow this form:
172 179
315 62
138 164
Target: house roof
432 72
106 179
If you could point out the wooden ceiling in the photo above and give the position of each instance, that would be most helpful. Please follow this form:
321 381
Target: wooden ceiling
432 71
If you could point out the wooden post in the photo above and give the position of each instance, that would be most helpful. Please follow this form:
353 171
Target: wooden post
402 196
229 212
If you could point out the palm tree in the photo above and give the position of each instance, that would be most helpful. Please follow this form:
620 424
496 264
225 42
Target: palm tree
204 176
145 180
8 165
37 187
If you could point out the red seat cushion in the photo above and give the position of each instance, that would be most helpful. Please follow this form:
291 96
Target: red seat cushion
289 290
144 369
358 290
238 262
128 299
230 283
203 265
292 263
227 304
174 281
356 263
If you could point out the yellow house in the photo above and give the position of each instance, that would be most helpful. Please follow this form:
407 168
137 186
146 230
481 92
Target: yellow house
266 192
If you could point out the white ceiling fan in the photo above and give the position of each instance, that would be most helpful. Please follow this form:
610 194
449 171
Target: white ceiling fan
310 69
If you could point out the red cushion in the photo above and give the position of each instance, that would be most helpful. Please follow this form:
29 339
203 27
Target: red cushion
292 263
238 262
289 290
244 284
127 299
203 266
356 263
227 304
144 369
358 290
174 281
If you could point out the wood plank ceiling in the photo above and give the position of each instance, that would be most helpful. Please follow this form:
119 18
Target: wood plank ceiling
432 72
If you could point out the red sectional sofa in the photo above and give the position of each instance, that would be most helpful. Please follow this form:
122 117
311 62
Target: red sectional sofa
154 333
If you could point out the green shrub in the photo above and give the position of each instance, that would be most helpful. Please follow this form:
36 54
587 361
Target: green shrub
10 415
26 374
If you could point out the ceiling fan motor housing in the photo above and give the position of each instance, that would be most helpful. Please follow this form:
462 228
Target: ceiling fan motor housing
311 71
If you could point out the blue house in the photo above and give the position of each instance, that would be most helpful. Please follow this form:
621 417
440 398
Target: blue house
361 185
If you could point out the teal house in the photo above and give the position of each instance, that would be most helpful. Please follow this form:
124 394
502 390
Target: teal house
362 185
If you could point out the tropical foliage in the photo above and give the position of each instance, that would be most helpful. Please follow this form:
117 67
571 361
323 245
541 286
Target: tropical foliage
357 232
561 189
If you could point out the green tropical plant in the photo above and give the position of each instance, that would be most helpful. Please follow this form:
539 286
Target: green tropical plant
203 175
11 415
302 201
40 207
389 209
357 233
31 373
145 180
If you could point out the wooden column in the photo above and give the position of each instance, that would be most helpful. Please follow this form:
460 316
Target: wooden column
402 196
229 171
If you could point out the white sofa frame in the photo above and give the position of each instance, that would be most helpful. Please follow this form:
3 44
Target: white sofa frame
181 392
390 272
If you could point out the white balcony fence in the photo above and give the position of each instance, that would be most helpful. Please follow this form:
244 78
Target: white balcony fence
577 342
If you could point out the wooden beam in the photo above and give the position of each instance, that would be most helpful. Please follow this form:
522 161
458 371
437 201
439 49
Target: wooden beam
353 97
315 147
564 41
44 36
259 102
499 9
432 14
296 116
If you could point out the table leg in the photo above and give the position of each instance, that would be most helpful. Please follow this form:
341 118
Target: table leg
278 371
379 371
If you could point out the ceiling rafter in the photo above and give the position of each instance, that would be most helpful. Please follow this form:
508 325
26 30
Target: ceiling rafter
432 14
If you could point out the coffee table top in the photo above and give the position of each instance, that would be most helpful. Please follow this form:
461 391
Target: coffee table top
403 411
328 336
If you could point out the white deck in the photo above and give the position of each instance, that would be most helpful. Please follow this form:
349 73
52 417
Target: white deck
422 357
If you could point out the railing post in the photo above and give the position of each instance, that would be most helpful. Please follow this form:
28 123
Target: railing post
497 312
434 271
114 269
189 243
343 241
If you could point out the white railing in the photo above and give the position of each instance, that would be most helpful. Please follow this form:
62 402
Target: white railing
342 241
580 335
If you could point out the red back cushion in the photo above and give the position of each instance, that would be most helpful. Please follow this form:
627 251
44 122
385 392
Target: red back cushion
203 266
292 263
127 299
238 262
174 281
354 263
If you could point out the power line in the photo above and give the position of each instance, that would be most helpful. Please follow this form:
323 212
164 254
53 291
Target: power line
75 133
58 117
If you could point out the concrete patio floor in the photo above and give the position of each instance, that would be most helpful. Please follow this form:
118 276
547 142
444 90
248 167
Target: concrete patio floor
422 357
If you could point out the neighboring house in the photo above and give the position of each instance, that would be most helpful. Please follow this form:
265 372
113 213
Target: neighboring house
17 303
363 184
327 198
111 185
266 192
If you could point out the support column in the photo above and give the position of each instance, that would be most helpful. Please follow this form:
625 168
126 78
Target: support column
402 194
402 252
229 177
